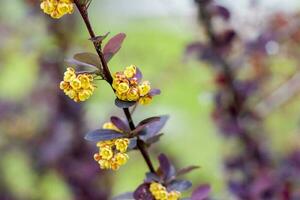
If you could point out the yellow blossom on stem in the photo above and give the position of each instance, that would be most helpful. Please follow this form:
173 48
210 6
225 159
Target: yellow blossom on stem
78 88
122 144
112 153
130 71
57 8
106 153
144 88
159 192
127 86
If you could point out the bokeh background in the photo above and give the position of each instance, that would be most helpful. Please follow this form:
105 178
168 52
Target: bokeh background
42 151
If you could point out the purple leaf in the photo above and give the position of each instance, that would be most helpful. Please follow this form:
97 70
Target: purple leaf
167 169
89 58
113 46
102 135
186 170
125 196
201 193
124 104
120 124
154 92
149 120
154 128
179 185
132 143
153 139
143 193
141 127
139 75
150 177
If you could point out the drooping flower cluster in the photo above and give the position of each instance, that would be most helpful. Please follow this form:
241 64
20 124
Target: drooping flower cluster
159 192
129 88
57 8
77 87
112 153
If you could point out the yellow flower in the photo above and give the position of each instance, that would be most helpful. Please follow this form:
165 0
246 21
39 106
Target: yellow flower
84 95
123 87
121 158
144 88
84 80
162 195
154 187
130 71
57 8
107 143
114 165
97 157
133 94
63 85
174 195
69 75
145 100
78 88
71 94
106 153
122 144
76 84
104 164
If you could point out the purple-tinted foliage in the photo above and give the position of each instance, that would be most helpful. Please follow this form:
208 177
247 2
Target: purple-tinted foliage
179 185
120 124
154 92
201 192
113 46
154 128
103 135
166 167
124 104
139 75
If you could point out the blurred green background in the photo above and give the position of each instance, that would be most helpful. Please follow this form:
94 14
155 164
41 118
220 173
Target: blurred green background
155 43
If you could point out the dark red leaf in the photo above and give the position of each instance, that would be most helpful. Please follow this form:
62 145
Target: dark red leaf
113 46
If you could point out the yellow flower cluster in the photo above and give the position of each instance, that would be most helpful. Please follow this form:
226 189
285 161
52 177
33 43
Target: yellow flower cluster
77 87
112 153
57 8
159 192
127 86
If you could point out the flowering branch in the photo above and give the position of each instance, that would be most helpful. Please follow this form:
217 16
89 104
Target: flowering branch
140 144
116 136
